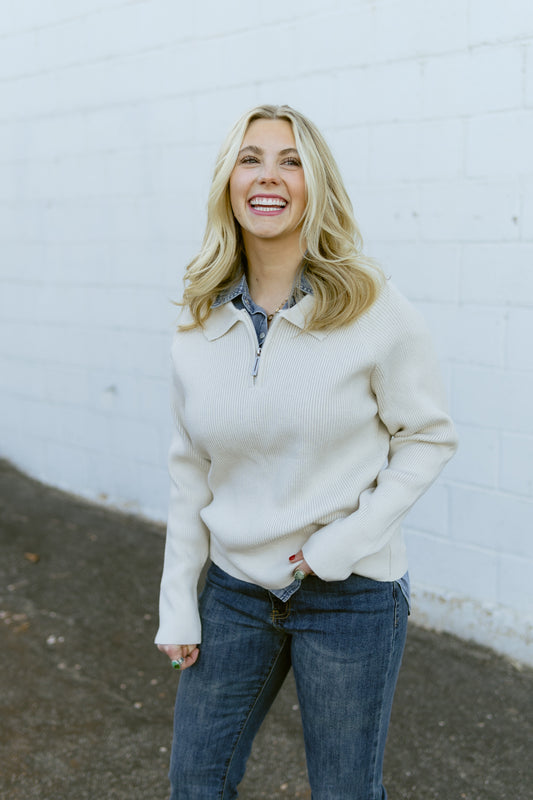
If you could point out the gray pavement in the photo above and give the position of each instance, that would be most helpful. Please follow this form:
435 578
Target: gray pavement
86 699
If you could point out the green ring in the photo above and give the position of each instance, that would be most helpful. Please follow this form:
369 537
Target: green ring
299 574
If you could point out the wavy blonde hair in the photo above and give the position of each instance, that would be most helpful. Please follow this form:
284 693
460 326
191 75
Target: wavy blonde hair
345 282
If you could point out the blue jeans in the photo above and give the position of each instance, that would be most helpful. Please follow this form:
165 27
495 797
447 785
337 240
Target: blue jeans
344 640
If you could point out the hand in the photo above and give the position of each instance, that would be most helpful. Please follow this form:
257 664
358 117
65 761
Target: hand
300 563
189 652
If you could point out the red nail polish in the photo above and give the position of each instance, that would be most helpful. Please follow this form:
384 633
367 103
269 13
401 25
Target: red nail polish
291 558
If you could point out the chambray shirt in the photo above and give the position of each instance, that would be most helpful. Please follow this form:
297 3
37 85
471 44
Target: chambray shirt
240 296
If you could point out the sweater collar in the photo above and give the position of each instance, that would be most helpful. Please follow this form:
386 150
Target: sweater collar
223 317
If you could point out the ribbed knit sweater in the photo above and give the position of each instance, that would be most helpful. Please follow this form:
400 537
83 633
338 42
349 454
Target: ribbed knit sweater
326 447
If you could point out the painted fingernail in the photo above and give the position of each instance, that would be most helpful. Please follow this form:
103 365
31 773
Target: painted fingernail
291 558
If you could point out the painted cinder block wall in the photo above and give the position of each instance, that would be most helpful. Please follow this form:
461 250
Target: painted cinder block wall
111 113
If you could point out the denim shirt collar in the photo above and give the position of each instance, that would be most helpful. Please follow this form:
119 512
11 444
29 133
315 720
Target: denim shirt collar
241 289
224 315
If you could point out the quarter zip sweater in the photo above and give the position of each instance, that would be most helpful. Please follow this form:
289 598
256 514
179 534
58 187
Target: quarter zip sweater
320 440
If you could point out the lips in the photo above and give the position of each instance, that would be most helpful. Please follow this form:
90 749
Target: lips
267 204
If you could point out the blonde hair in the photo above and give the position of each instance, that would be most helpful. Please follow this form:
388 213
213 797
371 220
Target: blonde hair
345 283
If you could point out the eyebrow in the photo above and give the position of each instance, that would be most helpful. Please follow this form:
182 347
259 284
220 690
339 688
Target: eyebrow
252 148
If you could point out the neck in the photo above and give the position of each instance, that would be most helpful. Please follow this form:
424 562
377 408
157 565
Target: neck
272 271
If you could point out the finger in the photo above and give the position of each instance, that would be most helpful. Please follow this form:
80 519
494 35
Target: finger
177 652
302 569
190 659
171 650
186 661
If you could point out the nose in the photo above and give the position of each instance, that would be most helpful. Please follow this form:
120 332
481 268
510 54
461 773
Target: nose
269 172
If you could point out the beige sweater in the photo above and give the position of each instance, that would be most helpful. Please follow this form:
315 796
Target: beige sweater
326 448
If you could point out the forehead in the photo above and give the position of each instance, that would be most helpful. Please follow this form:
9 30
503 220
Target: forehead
269 133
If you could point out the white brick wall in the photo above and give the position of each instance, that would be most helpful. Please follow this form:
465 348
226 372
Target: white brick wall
111 113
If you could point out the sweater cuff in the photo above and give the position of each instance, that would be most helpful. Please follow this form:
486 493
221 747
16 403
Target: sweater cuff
180 621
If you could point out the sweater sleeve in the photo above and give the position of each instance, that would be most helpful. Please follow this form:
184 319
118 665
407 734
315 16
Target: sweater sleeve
187 540
411 403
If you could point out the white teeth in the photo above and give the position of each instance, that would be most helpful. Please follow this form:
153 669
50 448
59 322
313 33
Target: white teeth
269 201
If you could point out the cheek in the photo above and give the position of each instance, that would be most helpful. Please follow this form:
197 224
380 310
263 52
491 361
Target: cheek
301 194
237 202
299 187
237 192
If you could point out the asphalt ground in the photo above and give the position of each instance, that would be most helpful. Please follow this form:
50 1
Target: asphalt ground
86 700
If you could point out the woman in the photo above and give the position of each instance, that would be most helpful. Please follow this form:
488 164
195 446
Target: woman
309 417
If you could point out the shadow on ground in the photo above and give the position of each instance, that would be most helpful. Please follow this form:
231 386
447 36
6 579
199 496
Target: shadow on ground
86 699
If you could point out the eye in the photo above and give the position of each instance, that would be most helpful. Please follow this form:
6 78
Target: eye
249 160
291 161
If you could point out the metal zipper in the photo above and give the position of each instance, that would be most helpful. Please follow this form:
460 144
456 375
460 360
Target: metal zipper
259 350
255 368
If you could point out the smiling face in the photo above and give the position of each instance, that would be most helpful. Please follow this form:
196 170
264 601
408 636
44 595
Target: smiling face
267 185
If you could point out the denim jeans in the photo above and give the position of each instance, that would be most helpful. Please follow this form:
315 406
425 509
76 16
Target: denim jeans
344 640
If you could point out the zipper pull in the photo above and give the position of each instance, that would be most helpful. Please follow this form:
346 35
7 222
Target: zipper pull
256 363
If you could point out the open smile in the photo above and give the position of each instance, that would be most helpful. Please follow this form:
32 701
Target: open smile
269 205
